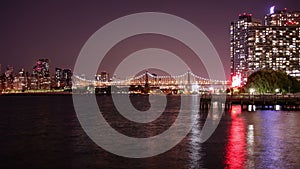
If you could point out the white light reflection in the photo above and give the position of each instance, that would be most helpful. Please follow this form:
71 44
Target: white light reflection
195 146
277 107
215 112
251 107
250 145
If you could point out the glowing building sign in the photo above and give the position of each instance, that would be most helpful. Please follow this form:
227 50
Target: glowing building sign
236 80
272 9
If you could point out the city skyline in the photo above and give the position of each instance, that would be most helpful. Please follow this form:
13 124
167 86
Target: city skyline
57 31
136 84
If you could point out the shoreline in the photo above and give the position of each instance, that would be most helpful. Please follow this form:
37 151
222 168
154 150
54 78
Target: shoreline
36 94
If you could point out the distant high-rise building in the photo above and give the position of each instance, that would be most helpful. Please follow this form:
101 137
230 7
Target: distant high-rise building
275 45
42 73
9 71
20 81
58 74
102 77
67 76
22 73
9 77
63 78
41 68
282 17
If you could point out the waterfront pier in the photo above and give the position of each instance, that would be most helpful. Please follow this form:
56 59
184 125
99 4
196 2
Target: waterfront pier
251 102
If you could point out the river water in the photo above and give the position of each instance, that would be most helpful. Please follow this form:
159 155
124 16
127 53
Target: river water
44 132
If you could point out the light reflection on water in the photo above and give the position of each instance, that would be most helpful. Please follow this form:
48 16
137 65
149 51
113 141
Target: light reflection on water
195 147
235 149
263 139
50 136
250 146
281 140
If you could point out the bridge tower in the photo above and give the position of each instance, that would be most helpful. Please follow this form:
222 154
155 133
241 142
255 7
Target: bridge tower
146 87
188 77
188 86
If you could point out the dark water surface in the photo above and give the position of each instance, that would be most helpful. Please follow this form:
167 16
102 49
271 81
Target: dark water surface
44 132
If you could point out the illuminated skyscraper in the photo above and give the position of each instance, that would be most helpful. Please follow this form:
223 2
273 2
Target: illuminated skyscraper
9 77
41 68
241 40
58 77
282 17
275 45
58 74
42 74
63 78
67 76
102 77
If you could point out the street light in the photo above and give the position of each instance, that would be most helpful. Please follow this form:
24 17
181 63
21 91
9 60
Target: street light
277 90
252 90
211 90
252 107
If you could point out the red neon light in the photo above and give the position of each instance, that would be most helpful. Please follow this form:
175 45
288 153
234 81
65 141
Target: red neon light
290 23
236 81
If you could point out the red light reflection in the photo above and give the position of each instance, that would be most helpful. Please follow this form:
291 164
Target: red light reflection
236 147
236 110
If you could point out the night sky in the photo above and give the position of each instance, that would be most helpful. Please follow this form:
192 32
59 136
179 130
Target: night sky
57 30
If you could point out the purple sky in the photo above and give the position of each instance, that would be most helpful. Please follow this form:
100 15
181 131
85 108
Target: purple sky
57 30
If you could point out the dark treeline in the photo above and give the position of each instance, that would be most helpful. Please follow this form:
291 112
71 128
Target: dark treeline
267 81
